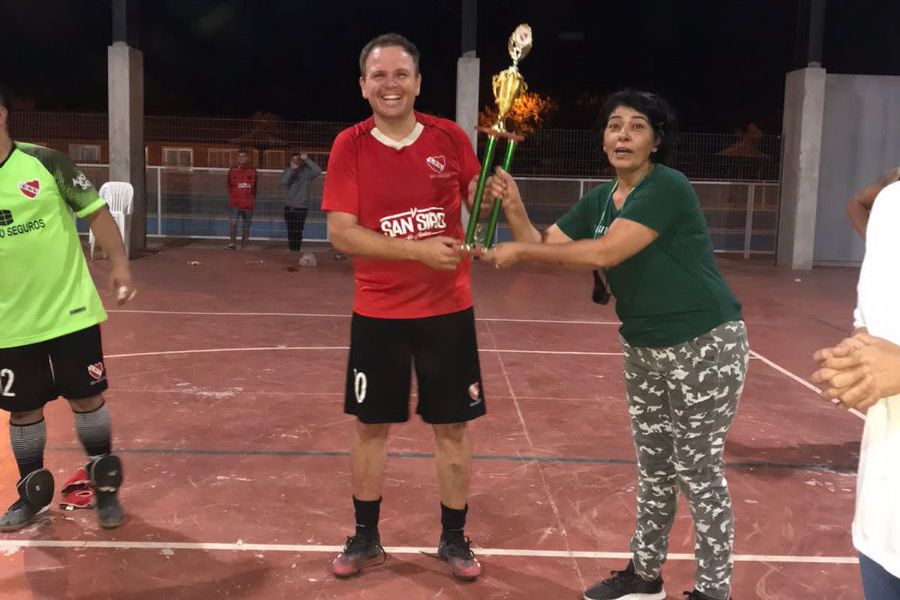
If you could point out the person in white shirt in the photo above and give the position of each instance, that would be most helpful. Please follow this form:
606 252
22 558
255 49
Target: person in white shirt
863 372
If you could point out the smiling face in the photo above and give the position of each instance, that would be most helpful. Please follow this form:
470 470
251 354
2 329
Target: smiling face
628 139
390 84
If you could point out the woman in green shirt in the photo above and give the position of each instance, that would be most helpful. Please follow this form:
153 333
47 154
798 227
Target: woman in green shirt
684 340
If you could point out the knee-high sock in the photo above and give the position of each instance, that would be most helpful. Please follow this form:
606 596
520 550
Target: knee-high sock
94 431
28 443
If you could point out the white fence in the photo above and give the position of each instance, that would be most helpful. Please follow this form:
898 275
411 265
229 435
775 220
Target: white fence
191 202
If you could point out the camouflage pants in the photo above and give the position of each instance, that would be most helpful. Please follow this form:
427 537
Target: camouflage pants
682 400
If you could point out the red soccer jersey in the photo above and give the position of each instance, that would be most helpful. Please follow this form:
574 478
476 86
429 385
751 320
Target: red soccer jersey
242 187
414 192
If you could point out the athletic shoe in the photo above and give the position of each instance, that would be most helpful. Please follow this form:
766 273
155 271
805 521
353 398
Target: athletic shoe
358 551
457 553
20 514
35 494
106 476
109 511
626 585
695 595
230 247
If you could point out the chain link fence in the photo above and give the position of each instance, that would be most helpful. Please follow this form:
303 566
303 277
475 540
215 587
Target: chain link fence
736 175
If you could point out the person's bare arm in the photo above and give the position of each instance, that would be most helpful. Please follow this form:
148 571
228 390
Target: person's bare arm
624 239
107 234
860 204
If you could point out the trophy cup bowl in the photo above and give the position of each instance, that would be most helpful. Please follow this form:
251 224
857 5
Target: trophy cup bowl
507 85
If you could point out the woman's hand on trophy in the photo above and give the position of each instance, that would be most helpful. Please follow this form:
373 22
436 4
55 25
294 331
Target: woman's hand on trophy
502 185
485 203
504 255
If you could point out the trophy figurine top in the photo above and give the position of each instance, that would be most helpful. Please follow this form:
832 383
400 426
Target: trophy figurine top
509 83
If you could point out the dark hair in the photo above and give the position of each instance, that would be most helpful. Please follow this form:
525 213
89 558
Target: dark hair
659 113
386 40
4 98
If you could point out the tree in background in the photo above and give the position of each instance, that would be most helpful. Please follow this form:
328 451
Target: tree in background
529 111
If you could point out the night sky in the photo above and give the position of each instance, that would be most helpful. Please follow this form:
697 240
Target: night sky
720 62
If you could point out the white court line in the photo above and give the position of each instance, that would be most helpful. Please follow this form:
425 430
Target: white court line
554 321
279 348
213 393
13 545
550 497
344 316
800 380
211 350
227 314
567 352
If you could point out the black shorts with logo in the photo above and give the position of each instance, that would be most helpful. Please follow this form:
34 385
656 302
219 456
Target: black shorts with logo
442 349
70 366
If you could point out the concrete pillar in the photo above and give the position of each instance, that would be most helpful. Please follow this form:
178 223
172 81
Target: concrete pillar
126 133
467 73
467 70
804 106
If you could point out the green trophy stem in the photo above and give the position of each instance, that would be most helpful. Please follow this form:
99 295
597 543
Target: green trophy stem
495 208
479 190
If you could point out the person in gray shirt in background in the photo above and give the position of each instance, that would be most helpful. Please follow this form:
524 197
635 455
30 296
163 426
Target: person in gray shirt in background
297 179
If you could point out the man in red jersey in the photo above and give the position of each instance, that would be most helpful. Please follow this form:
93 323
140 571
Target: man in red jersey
241 197
393 193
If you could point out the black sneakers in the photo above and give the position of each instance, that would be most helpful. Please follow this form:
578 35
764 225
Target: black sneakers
695 595
106 477
20 514
626 585
35 493
358 551
457 552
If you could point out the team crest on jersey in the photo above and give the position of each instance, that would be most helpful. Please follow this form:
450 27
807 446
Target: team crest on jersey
437 163
30 189
96 370
415 224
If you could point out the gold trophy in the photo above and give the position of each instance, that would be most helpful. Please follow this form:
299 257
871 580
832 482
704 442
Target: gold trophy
507 86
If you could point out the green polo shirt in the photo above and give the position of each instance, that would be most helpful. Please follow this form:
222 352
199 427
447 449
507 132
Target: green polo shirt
671 291
47 289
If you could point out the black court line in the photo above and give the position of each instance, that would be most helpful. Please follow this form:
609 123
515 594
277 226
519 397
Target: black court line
747 465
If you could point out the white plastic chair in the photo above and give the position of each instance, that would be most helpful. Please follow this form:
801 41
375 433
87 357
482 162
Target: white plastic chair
118 196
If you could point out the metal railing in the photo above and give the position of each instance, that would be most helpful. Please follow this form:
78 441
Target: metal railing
736 175
741 215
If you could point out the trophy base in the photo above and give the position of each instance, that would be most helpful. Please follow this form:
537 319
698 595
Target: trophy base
501 134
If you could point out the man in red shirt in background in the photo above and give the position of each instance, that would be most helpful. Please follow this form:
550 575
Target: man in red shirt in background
393 194
241 197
